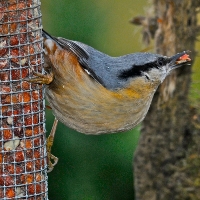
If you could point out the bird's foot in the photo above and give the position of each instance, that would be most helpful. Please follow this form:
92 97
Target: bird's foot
40 78
50 157
50 139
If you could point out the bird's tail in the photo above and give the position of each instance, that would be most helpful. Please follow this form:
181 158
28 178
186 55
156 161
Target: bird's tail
46 35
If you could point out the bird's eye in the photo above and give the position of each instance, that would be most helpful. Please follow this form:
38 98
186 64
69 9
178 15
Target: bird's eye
160 61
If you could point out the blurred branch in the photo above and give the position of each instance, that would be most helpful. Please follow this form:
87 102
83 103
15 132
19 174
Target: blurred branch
166 164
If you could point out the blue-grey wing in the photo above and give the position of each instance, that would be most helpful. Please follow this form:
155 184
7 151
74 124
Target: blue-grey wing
79 50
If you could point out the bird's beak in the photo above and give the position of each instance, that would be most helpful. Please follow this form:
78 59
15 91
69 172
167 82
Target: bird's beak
179 59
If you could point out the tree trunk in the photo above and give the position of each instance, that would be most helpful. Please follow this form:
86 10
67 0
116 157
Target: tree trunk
167 164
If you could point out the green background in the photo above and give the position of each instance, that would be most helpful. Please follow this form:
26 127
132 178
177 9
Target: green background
95 167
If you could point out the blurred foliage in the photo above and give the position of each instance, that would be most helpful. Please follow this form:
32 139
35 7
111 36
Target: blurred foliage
195 86
96 167
92 167
101 24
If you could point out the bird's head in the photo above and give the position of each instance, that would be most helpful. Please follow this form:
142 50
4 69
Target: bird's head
154 67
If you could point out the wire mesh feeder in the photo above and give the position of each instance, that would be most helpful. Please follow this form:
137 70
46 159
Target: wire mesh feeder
22 130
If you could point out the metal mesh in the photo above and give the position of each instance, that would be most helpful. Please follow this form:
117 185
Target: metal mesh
22 129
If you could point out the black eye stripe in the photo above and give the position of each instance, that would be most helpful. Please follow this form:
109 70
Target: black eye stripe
161 61
137 70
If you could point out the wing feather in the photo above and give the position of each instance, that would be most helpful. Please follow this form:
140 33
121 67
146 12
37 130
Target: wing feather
78 50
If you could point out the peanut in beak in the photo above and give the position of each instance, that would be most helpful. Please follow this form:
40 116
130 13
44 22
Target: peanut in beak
183 59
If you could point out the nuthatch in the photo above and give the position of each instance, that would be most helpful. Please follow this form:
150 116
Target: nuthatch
94 93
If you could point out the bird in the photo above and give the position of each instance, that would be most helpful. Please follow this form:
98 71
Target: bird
94 93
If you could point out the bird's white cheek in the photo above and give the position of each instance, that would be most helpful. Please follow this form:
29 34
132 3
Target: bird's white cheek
164 74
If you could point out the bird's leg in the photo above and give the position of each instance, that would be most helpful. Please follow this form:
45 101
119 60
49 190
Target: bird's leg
40 78
47 79
50 140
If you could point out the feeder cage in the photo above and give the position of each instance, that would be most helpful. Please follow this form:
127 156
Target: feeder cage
22 128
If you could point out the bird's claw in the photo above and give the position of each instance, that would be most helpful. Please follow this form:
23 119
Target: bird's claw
51 164
50 139
40 78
